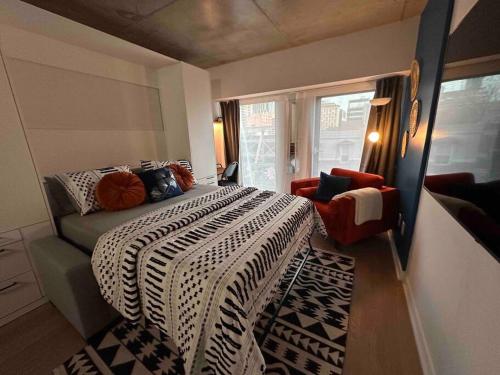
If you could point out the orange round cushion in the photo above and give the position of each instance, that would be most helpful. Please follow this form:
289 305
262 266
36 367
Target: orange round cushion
183 176
119 191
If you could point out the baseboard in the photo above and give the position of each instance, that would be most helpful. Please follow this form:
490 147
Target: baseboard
416 324
418 332
397 264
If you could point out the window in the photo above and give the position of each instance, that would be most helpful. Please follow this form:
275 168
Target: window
258 159
340 131
466 136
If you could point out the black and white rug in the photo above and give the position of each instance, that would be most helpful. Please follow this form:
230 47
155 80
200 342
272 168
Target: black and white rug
307 337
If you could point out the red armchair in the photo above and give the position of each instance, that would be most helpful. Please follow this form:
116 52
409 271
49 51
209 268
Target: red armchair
338 214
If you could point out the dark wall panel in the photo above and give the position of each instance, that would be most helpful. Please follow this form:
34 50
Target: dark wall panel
432 38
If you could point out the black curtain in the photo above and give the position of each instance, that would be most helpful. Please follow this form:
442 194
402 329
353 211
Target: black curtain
380 158
231 123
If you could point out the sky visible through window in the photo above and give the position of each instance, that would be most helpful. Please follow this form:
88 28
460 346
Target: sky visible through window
340 131
466 136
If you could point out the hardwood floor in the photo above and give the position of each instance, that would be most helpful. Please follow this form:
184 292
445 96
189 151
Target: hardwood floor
37 342
380 339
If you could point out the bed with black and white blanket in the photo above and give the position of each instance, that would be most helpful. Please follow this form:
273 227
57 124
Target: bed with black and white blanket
204 270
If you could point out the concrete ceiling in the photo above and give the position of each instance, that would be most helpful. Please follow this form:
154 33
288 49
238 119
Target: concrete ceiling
207 33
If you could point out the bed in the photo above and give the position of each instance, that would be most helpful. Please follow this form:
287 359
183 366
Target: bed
202 268
84 231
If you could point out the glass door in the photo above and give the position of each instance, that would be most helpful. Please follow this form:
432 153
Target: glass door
258 149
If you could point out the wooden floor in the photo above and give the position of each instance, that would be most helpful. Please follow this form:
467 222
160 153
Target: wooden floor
380 339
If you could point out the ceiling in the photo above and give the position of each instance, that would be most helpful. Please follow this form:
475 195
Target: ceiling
477 35
207 33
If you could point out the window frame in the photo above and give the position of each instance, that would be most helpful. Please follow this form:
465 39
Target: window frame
369 86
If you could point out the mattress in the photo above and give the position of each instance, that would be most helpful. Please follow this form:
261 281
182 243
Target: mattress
204 270
84 231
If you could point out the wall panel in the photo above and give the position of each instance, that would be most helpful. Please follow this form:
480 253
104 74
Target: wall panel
69 150
54 98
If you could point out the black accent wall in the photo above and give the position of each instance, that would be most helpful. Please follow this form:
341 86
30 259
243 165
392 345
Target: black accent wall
431 44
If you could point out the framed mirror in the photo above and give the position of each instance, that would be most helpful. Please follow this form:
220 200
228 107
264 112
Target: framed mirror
463 170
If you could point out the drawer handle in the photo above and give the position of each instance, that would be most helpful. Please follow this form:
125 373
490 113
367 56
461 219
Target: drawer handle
210 177
8 286
3 251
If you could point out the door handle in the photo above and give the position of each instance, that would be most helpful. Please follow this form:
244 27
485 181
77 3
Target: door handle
8 286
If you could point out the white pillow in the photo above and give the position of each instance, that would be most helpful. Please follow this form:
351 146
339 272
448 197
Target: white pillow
81 186
155 164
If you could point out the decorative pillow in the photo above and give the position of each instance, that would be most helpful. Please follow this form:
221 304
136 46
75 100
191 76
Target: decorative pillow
187 164
183 176
149 165
60 202
81 186
160 184
329 186
155 164
119 191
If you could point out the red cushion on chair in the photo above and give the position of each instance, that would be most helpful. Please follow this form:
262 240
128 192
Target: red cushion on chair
119 191
359 179
442 183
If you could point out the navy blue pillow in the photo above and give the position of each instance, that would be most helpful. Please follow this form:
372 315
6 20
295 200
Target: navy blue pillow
329 186
160 184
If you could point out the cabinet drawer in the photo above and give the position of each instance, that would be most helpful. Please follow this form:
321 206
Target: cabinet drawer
9 237
18 292
13 260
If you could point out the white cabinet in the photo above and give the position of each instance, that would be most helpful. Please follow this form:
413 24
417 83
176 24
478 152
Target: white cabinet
185 97
20 289
208 180
23 214
18 292
13 260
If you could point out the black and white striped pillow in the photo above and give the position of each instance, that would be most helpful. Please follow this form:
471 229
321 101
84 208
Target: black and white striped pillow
155 164
81 186
187 164
149 165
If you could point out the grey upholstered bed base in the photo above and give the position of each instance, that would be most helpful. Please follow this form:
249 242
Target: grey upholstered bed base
70 285
65 269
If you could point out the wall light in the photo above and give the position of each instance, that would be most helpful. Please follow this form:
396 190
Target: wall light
219 141
378 103
374 137
218 121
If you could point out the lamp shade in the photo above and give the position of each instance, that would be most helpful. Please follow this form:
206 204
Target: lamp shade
218 121
377 102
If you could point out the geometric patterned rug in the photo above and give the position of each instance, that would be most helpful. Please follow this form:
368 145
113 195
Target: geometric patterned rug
308 336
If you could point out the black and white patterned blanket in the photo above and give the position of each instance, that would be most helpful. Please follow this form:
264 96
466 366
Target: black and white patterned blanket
204 270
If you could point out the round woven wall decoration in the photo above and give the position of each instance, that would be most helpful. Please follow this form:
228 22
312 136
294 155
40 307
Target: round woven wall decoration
414 117
404 143
414 78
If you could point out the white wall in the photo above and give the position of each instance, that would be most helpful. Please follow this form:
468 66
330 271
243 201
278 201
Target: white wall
188 117
367 53
453 285
22 201
28 17
74 103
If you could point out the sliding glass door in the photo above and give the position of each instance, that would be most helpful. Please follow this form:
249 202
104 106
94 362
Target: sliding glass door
340 129
259 158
